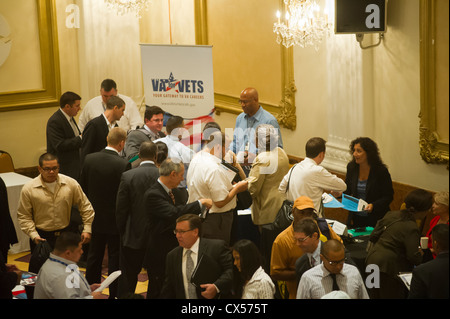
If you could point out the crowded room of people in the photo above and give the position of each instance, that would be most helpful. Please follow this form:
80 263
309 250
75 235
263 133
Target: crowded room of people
258 153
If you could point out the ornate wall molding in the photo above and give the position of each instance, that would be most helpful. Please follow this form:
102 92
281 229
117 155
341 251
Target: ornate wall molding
49 94
432 149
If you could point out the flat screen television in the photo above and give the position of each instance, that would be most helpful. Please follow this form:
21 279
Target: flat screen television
360 16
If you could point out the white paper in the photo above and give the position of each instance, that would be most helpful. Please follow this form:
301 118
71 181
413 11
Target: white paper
228 172
108 281
406 278
339 228
362 205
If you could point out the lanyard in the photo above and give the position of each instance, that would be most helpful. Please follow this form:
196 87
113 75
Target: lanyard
77 271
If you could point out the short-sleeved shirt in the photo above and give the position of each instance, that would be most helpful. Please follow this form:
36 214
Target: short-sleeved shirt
206 178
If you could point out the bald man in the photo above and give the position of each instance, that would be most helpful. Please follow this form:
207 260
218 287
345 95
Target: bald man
332 274
253 114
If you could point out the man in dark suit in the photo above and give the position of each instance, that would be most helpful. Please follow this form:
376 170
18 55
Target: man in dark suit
100 179
164 208
430 280
132 217
192 250
97 129
64 136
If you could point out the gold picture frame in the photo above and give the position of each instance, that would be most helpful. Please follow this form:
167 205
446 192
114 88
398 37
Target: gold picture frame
432 149
48 95
285 110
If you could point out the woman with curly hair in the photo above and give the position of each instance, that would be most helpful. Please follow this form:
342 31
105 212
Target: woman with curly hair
368 178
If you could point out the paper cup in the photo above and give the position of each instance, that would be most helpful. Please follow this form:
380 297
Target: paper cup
424 242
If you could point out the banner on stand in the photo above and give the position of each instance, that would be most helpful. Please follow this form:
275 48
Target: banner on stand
178 78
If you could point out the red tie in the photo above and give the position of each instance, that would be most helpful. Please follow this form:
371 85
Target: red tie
171 196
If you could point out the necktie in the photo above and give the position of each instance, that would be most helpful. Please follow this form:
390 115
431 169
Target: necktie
189 270
335 285
77 130
171 196
313 263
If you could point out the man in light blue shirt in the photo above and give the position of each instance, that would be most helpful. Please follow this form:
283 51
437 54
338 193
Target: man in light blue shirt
243 144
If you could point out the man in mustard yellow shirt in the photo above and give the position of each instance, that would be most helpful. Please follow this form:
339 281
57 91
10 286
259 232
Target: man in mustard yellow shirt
286 251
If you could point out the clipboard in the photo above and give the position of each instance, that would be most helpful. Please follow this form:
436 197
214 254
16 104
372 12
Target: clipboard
206 272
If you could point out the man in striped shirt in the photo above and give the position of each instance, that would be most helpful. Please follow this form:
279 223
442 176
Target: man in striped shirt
332 274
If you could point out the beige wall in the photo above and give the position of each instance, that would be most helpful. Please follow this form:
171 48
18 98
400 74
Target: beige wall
379 87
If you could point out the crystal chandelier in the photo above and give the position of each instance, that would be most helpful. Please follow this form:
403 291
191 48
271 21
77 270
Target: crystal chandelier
303 25
128 6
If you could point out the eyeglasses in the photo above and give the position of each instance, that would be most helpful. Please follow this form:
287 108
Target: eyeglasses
335 263
181 232
301 240
48 169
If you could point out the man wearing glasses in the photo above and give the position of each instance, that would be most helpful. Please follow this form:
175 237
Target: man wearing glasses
46 202
246 123
333 274
151 130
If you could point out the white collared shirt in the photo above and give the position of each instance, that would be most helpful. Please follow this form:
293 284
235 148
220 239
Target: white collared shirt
194 256
94 107
310 179
207 179
72 124
317 282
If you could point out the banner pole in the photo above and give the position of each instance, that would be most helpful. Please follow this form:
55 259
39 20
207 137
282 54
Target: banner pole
170 24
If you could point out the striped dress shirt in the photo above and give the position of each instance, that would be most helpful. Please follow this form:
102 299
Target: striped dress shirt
317 282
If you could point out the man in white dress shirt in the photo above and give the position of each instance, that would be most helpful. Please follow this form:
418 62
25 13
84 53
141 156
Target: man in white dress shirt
177 150
131 119
333 274
310 179
208 177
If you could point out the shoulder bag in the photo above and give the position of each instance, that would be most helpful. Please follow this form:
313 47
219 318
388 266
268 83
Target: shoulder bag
284 217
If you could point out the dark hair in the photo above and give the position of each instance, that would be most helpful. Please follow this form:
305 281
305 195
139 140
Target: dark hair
147 150
152 110
114 101
315 146
173 123
440 235
162 151
108 84
68 98
67 240
419 200
333 245
308 226
371 149
47 157
250 257
195 221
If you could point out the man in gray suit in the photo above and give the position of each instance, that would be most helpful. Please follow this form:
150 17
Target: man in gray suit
150 131
132 217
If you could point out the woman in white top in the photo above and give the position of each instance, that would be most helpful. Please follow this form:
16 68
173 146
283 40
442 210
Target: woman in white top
256 283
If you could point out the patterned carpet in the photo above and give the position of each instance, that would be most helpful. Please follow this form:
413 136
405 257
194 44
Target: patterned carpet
22 260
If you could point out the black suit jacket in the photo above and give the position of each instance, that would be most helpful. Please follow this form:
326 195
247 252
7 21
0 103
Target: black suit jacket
379 191
132 215
62 142
216 249
94 136
8 234
430 280
163 216
100 179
